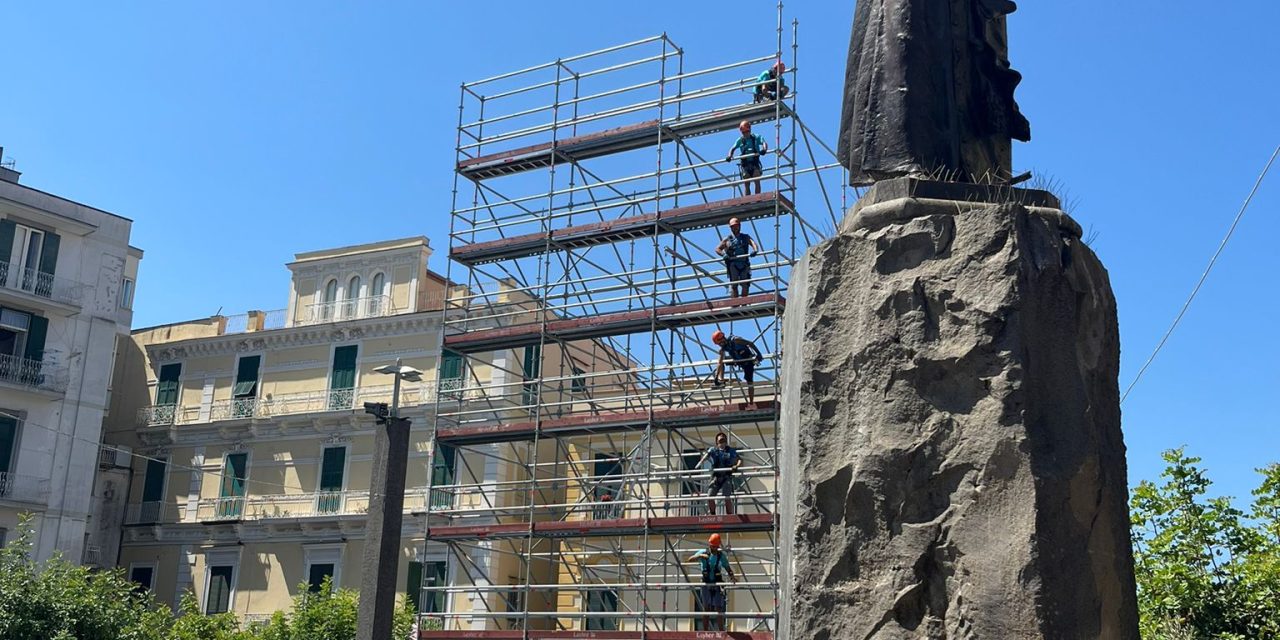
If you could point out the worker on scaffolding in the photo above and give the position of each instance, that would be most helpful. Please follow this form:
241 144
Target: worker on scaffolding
770 86
742 353
751 147
737 249
724 463
713 563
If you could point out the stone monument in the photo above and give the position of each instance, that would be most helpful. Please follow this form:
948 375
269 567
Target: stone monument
953 465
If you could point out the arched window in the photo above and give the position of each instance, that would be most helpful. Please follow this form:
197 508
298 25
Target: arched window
350 306
325 310
330 291
376 291
353 288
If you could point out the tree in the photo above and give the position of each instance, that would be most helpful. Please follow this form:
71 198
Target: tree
1206 569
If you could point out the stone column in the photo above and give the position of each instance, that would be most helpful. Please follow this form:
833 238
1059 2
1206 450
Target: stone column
953 464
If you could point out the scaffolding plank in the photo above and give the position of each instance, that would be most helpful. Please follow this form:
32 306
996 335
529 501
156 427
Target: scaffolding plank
606 528
686 314
707 214
567 634
684 417
616 140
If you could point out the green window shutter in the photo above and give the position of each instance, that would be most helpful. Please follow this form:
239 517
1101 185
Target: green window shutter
331 468
413 585
153 484
443 465
532 362
344 368
450 366
35 338
607 465
167 386
246 376
436 575
8 438
49 253
7 231
218 599
234 468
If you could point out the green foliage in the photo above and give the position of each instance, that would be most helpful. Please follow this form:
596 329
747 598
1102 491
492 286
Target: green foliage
62 601
1206 569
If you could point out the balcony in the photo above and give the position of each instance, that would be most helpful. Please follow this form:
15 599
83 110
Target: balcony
16 488
320 504
283 404
152 513
15 278
33 374
350 309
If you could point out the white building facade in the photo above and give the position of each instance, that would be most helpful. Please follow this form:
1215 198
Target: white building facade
67 281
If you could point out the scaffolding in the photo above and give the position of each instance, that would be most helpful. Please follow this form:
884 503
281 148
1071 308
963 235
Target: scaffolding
567 493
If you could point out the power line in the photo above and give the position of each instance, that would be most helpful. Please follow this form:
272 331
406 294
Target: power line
1204 276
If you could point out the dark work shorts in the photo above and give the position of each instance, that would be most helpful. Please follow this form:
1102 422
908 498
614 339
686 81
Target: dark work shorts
739 269
751 168
712 598
748 370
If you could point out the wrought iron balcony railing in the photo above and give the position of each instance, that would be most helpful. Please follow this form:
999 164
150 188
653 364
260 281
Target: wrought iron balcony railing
33 373
23 488
287 404
38 283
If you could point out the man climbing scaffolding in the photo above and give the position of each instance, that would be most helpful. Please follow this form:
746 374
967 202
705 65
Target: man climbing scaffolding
711 597
770 86
724 462
737 249
751 147
741 352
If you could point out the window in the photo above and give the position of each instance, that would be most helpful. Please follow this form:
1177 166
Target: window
514 599
428 575
443 473
333 462
217 594
578 384
167 385
8 444
691 485
323 561
126 293
22 337
342 380
451 374
245 391
607 490
152 491
28 258
376 291
327 302
351 305
235 470
142 575
532 369
605 601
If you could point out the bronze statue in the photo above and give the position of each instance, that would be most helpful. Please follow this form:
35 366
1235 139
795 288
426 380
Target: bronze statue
929 92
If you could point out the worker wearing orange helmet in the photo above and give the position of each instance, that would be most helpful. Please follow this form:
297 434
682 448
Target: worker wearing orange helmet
741 353
770 86
737 249
752 148
711 597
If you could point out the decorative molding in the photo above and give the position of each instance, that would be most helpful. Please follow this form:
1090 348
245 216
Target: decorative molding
422 322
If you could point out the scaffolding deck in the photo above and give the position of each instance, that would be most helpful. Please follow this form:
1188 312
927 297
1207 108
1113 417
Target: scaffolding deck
566 634
708 214
627 138
735 413
686 314
606 528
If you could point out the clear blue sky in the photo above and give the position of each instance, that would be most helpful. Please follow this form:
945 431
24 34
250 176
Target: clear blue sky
237 133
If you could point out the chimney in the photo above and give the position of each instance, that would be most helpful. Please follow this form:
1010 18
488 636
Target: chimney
7 172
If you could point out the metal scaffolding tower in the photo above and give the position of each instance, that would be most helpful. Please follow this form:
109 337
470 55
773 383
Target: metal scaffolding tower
583 293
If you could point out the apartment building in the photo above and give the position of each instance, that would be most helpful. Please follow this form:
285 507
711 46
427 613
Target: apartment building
67 282
252 452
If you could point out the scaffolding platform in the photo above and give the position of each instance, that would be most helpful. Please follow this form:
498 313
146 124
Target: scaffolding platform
688 314
616 140
607 528
566 634
698 216
685 417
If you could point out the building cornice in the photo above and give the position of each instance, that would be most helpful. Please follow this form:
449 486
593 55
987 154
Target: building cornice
290 337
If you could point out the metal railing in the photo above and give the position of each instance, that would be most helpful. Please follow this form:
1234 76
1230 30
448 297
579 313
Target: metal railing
411 395
349 309
319 504
23 488
33 373
38 283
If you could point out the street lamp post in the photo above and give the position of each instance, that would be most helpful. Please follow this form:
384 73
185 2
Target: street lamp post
386 510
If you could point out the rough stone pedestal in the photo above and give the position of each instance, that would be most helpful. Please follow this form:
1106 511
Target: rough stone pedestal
953 464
